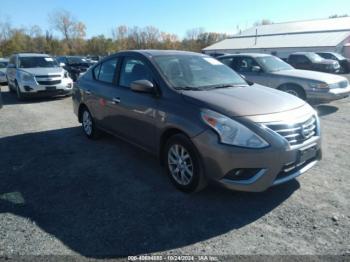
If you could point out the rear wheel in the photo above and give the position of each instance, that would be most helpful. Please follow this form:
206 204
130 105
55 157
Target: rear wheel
183 164
88 124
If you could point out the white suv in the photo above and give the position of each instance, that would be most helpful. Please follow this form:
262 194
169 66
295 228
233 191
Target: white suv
37 74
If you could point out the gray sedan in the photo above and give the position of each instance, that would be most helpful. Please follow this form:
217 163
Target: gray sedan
271 71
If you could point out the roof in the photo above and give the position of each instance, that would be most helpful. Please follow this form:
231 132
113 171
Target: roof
31 55
154 52
333 24
246 54
323 39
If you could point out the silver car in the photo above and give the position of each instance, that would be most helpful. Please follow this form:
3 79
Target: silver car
3 65
37 74
271 71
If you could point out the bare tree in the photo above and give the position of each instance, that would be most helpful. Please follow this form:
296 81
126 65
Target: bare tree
64 22
263 22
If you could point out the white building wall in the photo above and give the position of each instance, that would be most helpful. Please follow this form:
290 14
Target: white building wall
280 52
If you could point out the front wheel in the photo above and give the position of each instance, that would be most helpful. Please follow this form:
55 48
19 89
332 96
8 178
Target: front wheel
294 90
19 93
183 164
88 124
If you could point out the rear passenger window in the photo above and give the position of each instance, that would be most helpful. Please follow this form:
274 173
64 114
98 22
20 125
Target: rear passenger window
105 72
132 70
227 61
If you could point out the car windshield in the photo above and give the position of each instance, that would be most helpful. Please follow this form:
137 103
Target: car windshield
315 57
37 61
75 60
197 72
273 64
3 64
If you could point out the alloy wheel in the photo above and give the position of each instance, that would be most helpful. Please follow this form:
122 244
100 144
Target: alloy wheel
87 123
180 164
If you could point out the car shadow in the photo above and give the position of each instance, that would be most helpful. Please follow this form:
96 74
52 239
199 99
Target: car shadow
9 98
108 199
324 110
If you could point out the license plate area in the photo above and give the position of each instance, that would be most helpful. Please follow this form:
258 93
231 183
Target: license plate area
307 154
50 88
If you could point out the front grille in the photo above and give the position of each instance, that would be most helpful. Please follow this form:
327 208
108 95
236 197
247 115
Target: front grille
296 133
47 76
54 82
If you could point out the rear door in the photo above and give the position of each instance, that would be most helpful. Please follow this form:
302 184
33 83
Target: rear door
99 93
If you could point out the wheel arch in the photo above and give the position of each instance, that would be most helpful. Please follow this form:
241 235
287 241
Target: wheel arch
293 85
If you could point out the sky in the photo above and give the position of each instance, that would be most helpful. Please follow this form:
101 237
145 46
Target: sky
173 16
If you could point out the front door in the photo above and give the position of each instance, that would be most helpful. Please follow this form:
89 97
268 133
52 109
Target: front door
134 113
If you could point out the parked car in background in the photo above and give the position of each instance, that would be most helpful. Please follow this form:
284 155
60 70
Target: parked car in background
271 71
344 62
0 98
3 65
31 74
314 62
75 65
201 118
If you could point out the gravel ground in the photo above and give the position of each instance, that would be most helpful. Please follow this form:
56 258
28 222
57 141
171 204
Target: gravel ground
63 194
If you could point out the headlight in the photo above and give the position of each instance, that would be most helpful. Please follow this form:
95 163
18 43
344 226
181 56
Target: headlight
319 85
27 77
231 132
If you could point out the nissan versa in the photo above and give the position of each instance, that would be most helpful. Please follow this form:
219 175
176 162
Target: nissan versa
201 118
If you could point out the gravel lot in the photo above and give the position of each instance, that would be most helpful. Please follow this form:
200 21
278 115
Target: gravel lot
61 193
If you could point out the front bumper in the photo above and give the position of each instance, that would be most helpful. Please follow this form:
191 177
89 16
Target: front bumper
328 95
220 160
65 87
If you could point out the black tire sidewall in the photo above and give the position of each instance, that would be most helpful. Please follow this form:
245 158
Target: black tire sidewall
196 183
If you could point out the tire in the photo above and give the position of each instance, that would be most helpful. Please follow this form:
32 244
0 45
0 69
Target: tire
294 90
88 124
19 93
183 164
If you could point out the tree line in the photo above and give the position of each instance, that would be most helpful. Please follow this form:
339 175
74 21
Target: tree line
73 39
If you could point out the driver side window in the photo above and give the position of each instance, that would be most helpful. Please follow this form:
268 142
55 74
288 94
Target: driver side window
245 65
133 70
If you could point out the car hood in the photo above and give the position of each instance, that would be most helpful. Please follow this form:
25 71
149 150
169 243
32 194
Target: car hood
43 70
244 101
310 75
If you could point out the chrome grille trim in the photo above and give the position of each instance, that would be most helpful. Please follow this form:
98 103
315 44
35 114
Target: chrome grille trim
296 132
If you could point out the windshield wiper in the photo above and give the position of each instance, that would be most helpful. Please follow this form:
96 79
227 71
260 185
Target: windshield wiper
187 88
225 86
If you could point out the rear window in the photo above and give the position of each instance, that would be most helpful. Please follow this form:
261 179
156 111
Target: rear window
3 64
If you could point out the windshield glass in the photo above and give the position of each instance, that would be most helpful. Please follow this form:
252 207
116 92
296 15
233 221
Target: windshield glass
197 72
37 61
3 64
75 60
315 57
273 64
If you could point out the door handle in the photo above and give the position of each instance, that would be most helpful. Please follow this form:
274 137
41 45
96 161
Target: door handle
116 100
88 92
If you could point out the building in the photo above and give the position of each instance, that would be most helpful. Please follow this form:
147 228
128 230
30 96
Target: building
281 39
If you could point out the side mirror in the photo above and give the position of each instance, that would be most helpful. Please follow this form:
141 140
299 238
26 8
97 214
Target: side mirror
142 86
11 66
62 64
256 69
